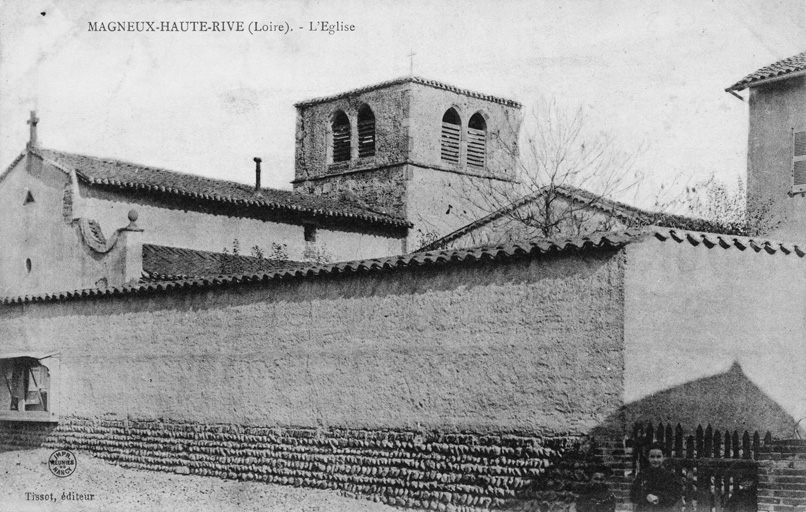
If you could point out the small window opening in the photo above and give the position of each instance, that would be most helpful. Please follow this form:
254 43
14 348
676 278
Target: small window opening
310 233
451 136
341 137
366 132
27 384
799 160
28 265
29 197
476 141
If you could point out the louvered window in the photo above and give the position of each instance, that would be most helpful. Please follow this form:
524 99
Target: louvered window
451 135
799 160
476 141
341 138
366 132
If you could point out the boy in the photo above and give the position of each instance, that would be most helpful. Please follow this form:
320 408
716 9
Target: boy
597 498
655 489
744 499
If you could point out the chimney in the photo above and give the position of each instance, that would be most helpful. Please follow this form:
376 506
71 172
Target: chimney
257 172
32 142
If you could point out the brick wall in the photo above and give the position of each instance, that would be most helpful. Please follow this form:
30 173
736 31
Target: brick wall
782 476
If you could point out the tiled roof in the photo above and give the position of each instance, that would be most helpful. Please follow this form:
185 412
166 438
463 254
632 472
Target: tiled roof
13 164
116 174
630 215
637 217
483 255
781 68
411 79
172 263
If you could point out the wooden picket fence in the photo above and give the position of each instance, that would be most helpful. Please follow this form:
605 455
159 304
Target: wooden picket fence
710 462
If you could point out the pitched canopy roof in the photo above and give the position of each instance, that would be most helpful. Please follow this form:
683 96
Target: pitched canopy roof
125 176
781 68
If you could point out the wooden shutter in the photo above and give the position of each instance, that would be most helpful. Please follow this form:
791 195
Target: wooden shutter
476 147
341 143
799 160
451 135
366 137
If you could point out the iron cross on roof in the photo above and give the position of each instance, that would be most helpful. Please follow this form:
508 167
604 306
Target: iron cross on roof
32 121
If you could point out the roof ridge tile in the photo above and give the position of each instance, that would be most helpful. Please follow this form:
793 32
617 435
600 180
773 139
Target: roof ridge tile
780 68
409 79
609 240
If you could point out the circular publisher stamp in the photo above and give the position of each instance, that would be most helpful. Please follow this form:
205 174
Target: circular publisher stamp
62 463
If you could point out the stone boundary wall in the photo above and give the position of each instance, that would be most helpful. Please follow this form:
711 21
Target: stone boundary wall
782 476
446 471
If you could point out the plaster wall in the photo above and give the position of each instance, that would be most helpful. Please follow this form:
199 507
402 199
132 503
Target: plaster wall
438 203
532 346
428 105
775 110
43 232
691 313
164 224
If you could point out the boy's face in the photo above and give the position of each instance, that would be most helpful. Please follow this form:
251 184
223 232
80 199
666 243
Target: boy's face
598 478
655 458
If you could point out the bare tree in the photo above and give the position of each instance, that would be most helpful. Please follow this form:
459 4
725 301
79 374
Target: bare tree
565 181
714 202
569 179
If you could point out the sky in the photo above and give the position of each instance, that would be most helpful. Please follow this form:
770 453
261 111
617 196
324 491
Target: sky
650 73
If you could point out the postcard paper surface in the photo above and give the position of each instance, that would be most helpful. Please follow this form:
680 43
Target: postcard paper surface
358 255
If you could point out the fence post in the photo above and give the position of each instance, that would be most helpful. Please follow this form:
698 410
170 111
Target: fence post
669 440
699 441
728 450
678 441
